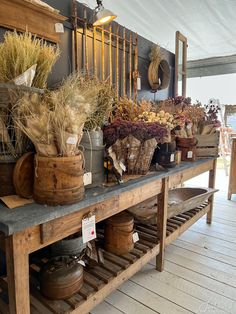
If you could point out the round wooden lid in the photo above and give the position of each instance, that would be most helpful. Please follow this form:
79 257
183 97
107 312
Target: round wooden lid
122 218
23 176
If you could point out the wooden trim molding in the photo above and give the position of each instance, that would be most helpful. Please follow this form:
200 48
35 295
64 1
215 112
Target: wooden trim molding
23 15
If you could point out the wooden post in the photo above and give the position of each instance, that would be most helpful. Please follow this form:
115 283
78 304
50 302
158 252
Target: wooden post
110 54
130 63
162 205
184 88
103 55
95 51
74 9
18 274
86 67
117 63
135 75
212 177
124 62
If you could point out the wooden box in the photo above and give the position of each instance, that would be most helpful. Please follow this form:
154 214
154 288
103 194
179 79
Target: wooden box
23 15
208 145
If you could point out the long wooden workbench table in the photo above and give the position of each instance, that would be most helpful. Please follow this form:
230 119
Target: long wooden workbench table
29 228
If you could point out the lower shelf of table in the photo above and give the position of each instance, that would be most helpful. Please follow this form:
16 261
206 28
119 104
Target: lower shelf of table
100 281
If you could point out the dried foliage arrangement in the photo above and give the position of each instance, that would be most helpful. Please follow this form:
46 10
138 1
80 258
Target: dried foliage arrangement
190 118
19 52
142 131
128 110
32 115
105 103
55 121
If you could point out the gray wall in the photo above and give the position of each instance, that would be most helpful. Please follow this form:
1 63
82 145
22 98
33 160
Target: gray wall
65 64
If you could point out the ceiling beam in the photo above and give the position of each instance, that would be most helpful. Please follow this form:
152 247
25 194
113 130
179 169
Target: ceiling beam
211 66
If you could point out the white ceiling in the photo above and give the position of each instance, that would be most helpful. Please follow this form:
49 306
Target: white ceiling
209 25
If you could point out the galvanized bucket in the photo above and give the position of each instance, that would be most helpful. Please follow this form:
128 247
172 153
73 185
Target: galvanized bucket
92 143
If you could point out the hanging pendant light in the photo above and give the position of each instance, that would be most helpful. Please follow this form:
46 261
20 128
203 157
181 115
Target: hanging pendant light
102 15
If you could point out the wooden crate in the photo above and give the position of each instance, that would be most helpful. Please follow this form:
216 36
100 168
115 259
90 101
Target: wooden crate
208 145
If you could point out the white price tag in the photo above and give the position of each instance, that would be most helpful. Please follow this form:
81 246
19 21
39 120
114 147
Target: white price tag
72 140
122 166
59 28
131 157
172 157
135 237
89 229
82 263
190 154
87 178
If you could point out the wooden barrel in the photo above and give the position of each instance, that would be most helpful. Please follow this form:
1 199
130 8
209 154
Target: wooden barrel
58 180
7 166
119 234
187 146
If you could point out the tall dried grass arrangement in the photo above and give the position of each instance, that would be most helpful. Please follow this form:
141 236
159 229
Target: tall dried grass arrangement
33 116
54 121
47 58
105 103
19 52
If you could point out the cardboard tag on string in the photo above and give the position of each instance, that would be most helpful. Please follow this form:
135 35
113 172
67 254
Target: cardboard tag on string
89 229
87 178
135 237
190 154
59 28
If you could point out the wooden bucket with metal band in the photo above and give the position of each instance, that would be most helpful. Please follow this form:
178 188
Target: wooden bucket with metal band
58 180
119 233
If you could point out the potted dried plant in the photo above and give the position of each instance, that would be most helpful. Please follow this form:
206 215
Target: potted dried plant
54 122
92 140
25 63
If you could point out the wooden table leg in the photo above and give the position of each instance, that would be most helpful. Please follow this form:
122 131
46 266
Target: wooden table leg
211 184
162 204
18 274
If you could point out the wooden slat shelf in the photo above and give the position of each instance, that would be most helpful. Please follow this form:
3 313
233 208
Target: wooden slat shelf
101 280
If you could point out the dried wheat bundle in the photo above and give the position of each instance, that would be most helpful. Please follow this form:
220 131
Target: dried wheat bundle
74 102
19 52
33 116
155 57
47 58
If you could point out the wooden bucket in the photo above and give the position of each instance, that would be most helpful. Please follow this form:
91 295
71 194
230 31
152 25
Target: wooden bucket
7 165
58 180
119 234
187 146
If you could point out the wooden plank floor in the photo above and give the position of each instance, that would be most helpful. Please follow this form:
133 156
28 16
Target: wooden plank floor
200 268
